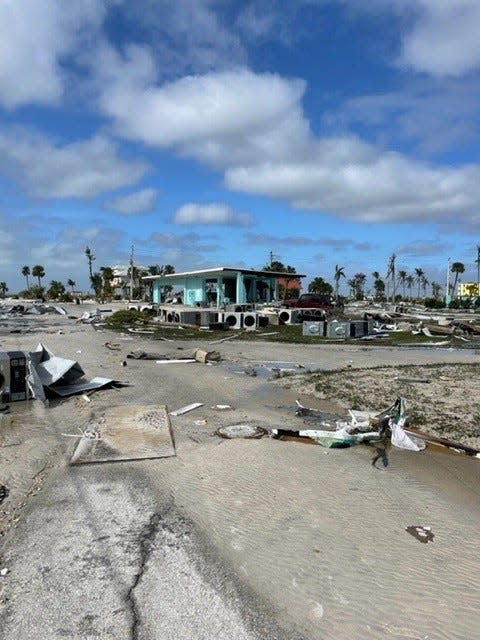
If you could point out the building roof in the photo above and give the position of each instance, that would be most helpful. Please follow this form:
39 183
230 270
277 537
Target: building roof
217 270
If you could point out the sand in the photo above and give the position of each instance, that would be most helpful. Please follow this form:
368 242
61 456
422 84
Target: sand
287 540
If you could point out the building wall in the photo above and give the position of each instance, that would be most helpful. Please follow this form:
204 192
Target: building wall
232 288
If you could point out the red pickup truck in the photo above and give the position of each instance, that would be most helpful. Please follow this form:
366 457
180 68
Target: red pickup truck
311 301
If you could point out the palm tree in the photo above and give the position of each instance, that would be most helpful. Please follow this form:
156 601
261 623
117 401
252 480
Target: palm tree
339 273
419 275
424 285
26 273
71 283
3 289
38 272
107 276
402 278
56 289
97 284
436 288
359 280
410 280
457 268
391 273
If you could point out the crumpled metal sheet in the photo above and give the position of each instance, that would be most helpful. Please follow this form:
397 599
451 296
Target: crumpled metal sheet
51 368
73 389
50 373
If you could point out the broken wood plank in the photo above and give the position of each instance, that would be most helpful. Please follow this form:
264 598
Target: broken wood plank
186 408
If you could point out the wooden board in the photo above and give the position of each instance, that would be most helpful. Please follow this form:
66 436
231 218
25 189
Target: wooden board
129 432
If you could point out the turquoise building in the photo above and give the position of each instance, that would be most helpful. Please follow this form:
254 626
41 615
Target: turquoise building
219 286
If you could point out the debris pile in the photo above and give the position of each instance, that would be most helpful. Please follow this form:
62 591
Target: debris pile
40 374
363 427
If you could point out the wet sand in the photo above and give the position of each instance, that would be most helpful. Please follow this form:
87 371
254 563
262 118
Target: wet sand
304 542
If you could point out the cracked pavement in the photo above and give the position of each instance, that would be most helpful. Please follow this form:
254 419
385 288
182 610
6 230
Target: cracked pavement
99 555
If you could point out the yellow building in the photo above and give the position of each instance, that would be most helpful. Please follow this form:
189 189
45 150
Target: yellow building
469 289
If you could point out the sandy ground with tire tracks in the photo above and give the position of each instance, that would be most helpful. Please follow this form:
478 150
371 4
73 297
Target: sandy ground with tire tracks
229 539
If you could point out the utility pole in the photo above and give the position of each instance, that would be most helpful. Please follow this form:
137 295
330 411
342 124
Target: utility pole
131 271
447 290
478 269
272 256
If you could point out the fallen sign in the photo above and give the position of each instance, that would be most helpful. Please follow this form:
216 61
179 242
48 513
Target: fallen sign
126 433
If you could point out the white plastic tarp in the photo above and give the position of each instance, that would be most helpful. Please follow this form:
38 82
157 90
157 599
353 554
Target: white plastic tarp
403 441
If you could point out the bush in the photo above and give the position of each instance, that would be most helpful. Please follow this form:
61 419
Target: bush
129 317
434 303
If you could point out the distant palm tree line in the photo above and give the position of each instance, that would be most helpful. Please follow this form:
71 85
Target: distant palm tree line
101 282
406 281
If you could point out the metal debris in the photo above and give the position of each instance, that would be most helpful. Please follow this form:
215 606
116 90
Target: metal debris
422 534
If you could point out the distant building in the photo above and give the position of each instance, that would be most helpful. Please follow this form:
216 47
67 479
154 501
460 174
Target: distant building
121 278
292 283
469 289
219 286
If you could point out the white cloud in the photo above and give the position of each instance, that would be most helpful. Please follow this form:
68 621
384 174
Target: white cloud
35 35
189 36
444 38
143 201
211 214
77 170
436 115
252 126
364 184
207 116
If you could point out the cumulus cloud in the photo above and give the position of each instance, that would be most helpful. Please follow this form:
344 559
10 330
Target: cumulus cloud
444 37
436 115
80 169
366 184
143 201
215 213
219 117
189 36
34 39
252 126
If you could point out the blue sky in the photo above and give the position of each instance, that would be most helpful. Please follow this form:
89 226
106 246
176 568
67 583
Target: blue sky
207 132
